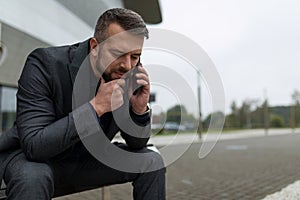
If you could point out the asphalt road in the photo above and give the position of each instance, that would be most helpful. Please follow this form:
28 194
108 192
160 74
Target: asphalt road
237 169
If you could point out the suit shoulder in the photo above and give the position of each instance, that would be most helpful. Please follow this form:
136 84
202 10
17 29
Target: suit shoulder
50 54
54 60
61 54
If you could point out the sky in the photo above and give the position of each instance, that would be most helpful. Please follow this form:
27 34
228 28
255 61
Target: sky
254 44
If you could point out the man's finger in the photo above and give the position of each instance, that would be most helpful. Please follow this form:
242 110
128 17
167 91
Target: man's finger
142 76
142 70
142 82
121 82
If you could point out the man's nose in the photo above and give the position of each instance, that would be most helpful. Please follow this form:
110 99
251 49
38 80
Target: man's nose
126 62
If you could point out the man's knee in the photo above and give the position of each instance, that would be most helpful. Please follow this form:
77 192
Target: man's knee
36 174
154 159
147 159
25 175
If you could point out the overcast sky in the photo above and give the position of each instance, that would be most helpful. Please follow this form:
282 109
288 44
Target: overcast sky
255 44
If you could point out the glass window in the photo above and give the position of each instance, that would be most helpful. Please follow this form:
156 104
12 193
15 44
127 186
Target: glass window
7 107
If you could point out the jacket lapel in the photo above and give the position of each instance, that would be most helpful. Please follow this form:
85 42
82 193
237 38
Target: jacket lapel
78 53
84 82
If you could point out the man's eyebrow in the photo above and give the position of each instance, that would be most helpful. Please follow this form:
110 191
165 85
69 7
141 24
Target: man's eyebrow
120 52
137 53
116 51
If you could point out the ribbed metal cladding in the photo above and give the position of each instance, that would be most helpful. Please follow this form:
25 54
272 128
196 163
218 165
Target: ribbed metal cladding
18 45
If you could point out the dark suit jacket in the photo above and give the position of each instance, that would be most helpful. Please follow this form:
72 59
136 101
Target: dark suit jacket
45 126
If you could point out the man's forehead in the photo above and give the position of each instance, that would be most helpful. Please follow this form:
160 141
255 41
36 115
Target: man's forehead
125 42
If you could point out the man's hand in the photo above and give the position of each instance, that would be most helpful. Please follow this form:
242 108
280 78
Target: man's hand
109 96
140 100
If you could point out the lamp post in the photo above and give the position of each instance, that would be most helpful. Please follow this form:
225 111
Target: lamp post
199 129
266 116
293 118
266 113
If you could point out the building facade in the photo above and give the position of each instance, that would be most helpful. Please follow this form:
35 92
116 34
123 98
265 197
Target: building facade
26 25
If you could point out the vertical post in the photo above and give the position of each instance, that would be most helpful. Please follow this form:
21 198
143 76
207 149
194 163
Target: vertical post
248 119
199 129
105 193
266 113
266 117
293 113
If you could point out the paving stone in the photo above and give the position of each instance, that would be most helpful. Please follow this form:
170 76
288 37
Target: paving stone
267 165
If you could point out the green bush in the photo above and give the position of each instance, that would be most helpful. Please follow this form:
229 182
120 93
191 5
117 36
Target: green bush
277 121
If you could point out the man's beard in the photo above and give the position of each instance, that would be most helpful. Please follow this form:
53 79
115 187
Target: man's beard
105 76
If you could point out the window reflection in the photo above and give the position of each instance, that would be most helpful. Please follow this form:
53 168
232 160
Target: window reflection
8 107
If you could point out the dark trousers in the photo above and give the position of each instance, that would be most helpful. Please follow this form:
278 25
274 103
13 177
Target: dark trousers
77 172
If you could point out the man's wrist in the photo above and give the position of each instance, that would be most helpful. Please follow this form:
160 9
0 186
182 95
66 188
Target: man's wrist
142 112
98 111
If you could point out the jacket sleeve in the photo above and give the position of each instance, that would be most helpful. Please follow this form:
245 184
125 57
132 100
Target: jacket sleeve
143 122
42 135
9 139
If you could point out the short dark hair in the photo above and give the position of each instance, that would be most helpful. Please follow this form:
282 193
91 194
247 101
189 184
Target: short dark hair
127 19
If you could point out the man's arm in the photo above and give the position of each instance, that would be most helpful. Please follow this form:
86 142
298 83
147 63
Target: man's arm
137 134
41 134
142 121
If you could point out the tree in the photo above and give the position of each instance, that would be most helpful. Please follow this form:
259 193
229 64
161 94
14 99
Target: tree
232 120
245 112
266 115
277 121
174 113
234 108
295 109
214 120
296 97
180 116
159 119
257 117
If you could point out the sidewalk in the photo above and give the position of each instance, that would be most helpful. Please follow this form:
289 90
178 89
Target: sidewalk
183 138
218 176
290 192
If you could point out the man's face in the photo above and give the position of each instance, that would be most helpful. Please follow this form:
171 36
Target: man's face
119 53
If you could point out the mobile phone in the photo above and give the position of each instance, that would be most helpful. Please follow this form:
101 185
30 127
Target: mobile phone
135 86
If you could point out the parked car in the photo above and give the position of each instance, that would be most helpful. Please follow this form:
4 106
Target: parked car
171 126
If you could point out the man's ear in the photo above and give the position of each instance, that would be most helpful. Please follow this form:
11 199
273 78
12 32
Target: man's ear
94 46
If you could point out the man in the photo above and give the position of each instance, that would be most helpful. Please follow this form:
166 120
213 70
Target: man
57 110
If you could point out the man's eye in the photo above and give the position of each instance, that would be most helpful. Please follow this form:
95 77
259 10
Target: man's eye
135 57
